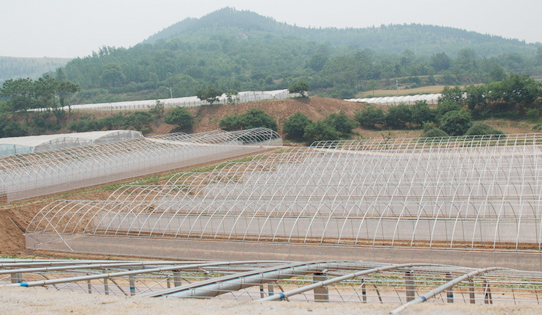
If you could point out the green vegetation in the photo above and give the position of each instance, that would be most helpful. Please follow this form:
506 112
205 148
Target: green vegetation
180 117
253 118
300 87
294 127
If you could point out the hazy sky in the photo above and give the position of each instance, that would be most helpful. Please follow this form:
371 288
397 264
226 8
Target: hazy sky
75 28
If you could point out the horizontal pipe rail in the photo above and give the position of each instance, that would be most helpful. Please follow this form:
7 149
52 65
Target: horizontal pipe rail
442 288
338 279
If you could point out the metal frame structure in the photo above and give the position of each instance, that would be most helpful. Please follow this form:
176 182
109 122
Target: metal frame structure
467 201
321 281
37 174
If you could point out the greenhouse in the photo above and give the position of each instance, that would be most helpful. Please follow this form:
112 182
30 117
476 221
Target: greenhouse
37 174
464 201
44 143
430 99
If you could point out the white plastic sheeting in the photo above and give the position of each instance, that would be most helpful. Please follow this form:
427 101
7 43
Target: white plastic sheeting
44 143
453 193
36 174
431 99
192 101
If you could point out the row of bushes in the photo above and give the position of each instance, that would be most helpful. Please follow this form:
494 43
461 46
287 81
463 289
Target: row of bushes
448 117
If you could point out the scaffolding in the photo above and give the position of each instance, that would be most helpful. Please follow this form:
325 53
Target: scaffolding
361 282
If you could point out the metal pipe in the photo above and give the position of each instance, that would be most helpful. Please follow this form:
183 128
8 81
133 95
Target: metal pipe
443 287
338 279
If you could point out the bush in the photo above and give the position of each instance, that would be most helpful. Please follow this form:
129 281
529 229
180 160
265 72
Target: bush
481 129
447 106
456 123
180 117
253 118
300 87
341 122
320 130
141 121
434 133
371 117
399 117
420 114
294 127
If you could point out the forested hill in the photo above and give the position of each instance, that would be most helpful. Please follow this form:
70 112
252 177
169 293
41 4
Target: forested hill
421 39
12 67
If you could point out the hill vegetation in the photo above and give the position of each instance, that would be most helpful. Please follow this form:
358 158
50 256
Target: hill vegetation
14 68
240 50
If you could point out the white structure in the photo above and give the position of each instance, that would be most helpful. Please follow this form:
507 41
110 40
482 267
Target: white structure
454 199
431 99
192 101
37 174
44 143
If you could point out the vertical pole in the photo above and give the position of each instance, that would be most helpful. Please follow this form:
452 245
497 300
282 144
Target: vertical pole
262 292
168 281
106 287
488 299
270 289
472 297
363 291
450 290
321 294
89 285
16 278
410 287
176 278
132 285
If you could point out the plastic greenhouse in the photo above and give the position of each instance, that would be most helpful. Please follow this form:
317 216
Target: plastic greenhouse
463 201
37 174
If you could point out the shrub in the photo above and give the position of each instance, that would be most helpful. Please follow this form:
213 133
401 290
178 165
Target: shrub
455 123
481 129
420 114
447 106
180 117
294 127
320 130
253 118
371 117
141 121
399 117
341 122
300 87
434 133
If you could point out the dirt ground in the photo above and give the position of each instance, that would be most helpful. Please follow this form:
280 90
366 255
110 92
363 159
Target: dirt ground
19 300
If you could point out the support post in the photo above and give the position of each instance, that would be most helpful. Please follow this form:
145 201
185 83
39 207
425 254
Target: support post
262 292
16 278
168 281
271 289
321 294
132 285
363 291
450 290
177 278
89 286
488 299
472 297
410 286
106 287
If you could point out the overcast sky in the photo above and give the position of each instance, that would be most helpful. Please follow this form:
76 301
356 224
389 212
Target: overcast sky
75 28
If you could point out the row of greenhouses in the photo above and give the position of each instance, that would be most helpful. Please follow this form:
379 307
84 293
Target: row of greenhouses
46 172
453 199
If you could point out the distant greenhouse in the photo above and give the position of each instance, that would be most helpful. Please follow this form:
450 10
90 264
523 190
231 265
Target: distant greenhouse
41 173
430 99
44 143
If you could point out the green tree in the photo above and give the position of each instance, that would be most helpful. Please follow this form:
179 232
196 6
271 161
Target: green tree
434 132
480 129
319 131
180 117
456 123
112 75
210 94
253 118
399 117
371 117
420 114
440 62
301 87
294 127
20 94
341 122
451 94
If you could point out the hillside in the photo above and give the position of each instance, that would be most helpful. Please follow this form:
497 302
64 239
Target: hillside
13 68
421 39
